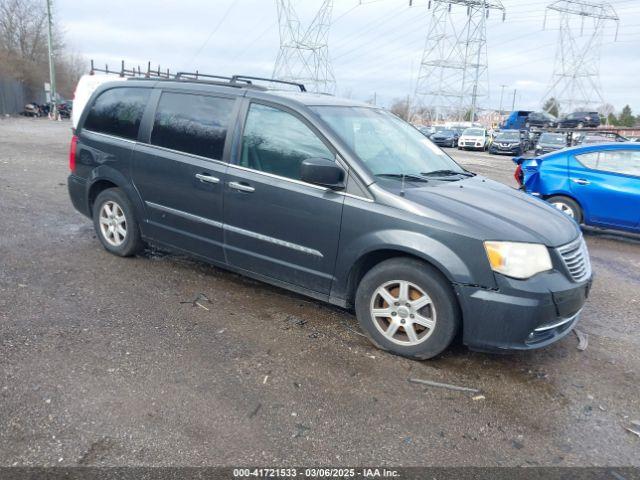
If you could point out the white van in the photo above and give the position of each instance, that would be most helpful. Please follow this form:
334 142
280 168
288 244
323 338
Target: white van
85 88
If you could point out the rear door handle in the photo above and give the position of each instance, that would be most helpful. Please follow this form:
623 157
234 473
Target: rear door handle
242 187
580 181
203 177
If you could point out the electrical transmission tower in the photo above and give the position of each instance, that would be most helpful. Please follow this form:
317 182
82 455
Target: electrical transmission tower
453 70
575 83
304 52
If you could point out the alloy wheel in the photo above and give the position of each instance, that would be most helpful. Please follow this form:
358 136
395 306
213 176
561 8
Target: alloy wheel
403 312
564 208
113 223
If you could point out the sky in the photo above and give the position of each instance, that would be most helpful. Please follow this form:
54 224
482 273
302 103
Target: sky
375 46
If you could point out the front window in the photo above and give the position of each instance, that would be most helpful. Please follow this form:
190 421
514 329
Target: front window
508 137
553 139
384 143
277 142
473 132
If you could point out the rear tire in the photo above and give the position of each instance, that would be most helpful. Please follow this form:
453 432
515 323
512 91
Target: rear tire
418 315
568 206
580 125
115 223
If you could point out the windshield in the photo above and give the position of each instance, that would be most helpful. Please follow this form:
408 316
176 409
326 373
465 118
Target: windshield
384 143
553 139
508 136
473 132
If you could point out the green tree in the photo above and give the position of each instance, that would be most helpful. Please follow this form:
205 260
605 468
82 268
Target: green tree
626 118
551 106
612 120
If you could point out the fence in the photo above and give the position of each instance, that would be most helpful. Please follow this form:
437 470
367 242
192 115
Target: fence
12 96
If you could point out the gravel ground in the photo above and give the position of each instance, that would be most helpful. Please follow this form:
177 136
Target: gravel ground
102 362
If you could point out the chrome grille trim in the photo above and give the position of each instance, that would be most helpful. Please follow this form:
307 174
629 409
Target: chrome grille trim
575 257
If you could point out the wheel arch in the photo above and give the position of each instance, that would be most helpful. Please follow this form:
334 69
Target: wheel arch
370 259
105 177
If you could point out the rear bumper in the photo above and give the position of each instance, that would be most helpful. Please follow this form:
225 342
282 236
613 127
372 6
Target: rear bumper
78 193
521 315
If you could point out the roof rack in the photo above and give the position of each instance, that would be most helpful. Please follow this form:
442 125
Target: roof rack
238 81
236 78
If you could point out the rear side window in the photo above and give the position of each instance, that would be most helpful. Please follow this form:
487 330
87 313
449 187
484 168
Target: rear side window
626 162
118 112
195 124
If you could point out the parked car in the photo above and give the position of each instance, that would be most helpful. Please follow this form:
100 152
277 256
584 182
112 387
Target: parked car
446 138
580 120
331 198
474 138
550 142
516 120
597 137
510 142
596 185
540 120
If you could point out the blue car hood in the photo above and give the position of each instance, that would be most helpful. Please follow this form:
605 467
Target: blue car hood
492 211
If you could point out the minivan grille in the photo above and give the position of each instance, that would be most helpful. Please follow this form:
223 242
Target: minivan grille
576 258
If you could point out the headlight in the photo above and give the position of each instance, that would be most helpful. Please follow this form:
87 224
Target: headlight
518 260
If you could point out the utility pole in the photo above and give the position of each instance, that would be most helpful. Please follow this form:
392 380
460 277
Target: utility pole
52 68
502 87
513 104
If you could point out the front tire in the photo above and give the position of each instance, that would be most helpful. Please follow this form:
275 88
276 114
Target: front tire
407 307
568 206
115 223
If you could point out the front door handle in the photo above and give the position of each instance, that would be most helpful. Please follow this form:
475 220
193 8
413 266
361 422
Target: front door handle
242 187
203 177
580 181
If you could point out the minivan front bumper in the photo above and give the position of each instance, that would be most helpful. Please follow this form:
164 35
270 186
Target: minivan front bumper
521 314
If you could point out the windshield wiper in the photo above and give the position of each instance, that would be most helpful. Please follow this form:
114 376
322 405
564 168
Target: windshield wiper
445 173
406 176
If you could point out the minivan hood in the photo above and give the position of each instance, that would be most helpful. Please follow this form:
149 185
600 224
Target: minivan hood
490 210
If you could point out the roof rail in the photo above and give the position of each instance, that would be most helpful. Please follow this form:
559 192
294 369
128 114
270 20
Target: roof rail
237 78
197 76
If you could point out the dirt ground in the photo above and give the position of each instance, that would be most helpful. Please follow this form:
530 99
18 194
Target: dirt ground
103 360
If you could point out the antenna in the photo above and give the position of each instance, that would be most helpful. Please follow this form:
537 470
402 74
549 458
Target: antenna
575 83
454 68
304 52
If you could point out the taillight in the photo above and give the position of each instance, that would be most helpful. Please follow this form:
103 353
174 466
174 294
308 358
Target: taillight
72 153
518 175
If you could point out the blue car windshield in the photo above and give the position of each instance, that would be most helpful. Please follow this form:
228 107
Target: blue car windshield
384 143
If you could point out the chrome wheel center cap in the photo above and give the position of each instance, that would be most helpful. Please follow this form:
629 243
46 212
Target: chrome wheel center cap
403 312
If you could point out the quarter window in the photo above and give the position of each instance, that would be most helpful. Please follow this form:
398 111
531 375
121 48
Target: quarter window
195 124
618 161
276 142
118 112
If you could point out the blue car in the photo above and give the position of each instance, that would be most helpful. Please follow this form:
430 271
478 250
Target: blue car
597 185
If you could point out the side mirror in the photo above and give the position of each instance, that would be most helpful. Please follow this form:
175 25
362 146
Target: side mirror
321 171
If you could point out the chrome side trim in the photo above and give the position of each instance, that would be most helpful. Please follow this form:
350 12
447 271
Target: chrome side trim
241 231
112 137
279 177
275 241
188 216
560 322
357 197
178 152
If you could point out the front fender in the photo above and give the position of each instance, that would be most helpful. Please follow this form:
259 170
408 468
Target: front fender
411 243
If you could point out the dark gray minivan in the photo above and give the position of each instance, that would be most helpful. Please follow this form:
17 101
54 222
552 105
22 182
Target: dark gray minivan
331 198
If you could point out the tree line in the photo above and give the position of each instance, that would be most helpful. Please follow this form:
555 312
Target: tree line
24 54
